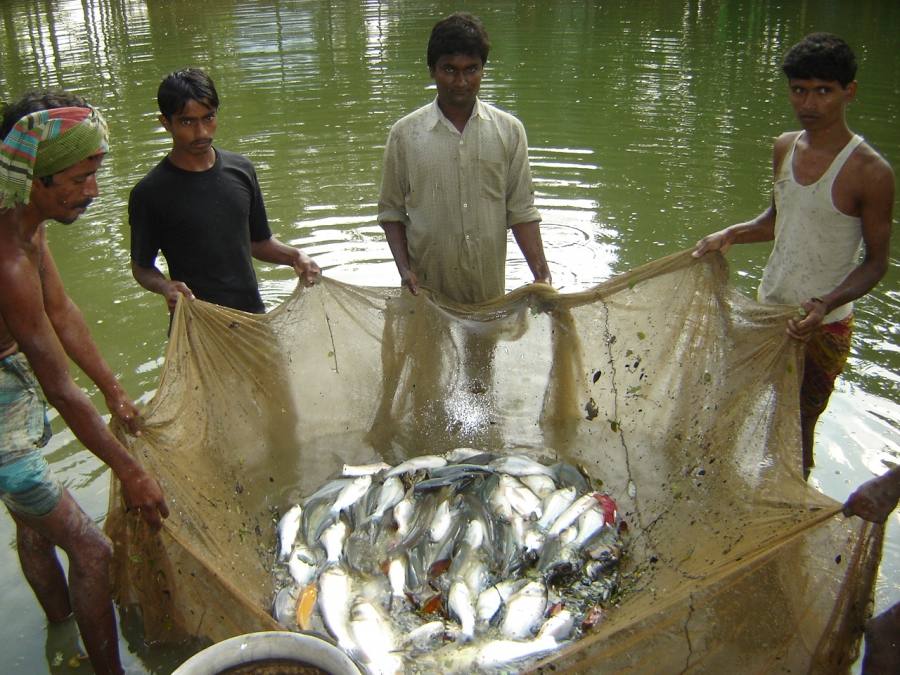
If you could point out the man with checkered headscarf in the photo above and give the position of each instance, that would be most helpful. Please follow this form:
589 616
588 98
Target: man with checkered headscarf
53 144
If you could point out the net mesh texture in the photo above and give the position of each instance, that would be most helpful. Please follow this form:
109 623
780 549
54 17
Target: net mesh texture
665 383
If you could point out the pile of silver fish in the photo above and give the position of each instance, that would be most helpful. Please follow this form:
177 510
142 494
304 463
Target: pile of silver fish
467 560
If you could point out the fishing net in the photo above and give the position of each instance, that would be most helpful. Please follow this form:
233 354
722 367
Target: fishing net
664 383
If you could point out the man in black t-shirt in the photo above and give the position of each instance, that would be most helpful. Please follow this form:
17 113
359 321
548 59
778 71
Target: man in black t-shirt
203 208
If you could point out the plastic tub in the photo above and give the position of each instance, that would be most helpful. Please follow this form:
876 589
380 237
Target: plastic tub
282 646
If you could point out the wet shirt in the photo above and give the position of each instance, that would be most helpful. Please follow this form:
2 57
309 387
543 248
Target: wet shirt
203 222
816 246
457 193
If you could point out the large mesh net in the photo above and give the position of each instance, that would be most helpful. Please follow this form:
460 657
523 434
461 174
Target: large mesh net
673 389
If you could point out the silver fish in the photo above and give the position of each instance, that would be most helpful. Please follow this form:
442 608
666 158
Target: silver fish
283 607
417 464
425 636
459 600
397 575
559 626
500 653
403 515
375 639
390 493
364 469
539 484
350 493
488 604
333 540
524 610
557 502
521 498
441 521
491 599
571 514
519 465
589 523
330 488
334 605
288 527
460 454
302 566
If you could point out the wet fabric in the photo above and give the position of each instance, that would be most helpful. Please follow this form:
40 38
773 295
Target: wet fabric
46 142
28 487
825 358
204 223
456 194
23 411
678 393
816 246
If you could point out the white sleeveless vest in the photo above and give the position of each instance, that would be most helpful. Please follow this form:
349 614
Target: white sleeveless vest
816 246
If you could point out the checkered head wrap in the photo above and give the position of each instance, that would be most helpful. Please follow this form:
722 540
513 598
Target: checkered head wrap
44 143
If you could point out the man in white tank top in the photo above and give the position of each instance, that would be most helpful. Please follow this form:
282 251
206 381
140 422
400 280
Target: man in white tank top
830 218
832 200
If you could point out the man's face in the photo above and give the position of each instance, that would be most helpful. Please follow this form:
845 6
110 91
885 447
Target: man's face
458 79
192 129
819 103
69 193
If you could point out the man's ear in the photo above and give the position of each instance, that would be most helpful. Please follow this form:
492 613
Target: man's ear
165 123
850 89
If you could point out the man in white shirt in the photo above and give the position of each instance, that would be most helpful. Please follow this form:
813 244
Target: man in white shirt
456 177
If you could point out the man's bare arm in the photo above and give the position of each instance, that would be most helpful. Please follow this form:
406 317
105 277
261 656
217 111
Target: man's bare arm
395 233
876 498
528 237
759 229
155 281
22 309
274 251
75 338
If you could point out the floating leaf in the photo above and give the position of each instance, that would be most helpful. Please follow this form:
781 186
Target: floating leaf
641 335
591 409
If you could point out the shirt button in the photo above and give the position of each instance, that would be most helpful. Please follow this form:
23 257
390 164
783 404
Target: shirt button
465 205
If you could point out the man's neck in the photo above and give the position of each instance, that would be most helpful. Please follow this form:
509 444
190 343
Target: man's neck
21 221
458 116
835 136
189 162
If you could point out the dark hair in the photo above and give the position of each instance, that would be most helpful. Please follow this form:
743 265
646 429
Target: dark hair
821 56
32 102
183 86
459 33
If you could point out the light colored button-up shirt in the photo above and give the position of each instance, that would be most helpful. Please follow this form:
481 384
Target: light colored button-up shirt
457 193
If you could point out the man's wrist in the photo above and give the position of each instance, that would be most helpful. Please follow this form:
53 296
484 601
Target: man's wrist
821 302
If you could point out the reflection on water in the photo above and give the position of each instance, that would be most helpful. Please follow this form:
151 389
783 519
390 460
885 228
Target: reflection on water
649 125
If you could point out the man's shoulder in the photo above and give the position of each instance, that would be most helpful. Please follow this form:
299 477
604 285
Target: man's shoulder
871 161
501 117
229 157
418 116
159 171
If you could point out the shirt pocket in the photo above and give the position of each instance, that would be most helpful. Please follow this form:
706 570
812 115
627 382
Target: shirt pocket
493 183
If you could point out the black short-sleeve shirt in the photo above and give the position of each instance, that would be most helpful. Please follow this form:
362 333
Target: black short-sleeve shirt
203 223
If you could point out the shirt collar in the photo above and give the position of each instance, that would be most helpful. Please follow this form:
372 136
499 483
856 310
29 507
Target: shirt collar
435 116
